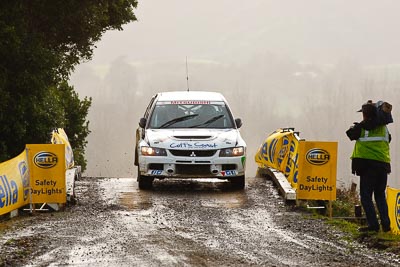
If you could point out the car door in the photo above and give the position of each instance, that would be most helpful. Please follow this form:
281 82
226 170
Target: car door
140 132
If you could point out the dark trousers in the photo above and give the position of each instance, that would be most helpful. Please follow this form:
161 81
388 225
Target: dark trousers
373 181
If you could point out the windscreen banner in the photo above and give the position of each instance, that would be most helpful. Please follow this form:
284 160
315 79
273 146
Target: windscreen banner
280 151
47 172
14 183
393 201
59 136
317 166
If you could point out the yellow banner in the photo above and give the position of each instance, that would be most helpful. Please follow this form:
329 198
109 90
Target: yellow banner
280 151
393 201
291 160
60 137
47 172
317 170
14 184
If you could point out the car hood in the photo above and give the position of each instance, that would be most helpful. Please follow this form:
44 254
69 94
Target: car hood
197 139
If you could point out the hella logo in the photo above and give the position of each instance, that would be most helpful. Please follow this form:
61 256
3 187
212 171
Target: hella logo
317 156
45 160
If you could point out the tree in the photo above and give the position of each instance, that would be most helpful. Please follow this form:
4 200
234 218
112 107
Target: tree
41 41
76 126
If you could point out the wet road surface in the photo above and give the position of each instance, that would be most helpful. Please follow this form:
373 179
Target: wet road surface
190 223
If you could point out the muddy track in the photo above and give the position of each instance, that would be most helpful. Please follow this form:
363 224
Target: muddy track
179 223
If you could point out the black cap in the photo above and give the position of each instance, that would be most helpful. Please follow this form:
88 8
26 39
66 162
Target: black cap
369 102
369 109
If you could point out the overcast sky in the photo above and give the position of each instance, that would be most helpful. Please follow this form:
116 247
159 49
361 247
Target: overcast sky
319 31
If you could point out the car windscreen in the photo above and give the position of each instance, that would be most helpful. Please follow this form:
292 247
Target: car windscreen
211 115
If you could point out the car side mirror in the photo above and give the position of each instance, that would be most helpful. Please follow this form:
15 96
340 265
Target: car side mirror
238 122
142 122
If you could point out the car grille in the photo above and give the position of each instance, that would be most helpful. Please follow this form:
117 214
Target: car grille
193 153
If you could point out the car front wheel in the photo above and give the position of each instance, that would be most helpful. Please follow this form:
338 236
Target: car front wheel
238 182
145 182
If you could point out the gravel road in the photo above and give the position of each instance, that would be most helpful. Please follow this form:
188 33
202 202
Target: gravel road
179 223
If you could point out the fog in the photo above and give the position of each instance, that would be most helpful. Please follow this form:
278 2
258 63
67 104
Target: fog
307 64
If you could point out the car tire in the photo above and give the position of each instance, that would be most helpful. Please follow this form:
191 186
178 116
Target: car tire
136 161
145 182
238 182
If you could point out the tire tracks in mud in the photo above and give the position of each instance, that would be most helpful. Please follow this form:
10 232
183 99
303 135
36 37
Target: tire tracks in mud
189 223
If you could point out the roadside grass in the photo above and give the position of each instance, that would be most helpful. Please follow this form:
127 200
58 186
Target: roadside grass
388 242
344 218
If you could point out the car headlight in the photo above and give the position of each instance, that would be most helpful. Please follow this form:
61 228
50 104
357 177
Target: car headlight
153 151
232 152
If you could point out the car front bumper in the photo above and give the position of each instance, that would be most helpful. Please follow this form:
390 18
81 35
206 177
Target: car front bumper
192 167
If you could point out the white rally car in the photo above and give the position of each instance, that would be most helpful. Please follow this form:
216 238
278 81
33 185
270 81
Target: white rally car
189 135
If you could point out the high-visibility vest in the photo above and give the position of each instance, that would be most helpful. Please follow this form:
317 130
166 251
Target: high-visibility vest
373 144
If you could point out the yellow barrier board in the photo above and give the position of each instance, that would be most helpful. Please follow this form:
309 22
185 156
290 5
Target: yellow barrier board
47 172
393 201
317 170
291 160
280 151
14 184
60 137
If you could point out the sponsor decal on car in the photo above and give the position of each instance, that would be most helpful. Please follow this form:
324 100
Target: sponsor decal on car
193 145
190 102
229 173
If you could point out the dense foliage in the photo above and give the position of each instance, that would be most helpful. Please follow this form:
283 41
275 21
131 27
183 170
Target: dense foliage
41 41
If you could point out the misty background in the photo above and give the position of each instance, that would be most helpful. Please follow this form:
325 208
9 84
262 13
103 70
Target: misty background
307 64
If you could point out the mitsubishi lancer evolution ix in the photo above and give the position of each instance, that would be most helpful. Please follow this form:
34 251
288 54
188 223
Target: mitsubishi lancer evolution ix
189 135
